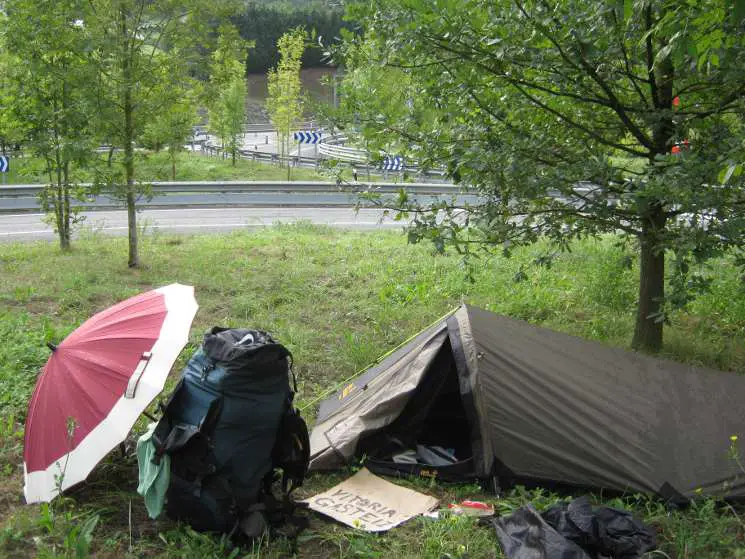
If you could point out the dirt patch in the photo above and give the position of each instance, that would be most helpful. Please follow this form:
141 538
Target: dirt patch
32 305
100 300
11 494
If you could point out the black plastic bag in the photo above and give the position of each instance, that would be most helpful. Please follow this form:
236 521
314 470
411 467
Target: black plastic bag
526 535
574 531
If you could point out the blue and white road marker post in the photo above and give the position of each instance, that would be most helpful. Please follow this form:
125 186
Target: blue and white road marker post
393 163
308 137
4 166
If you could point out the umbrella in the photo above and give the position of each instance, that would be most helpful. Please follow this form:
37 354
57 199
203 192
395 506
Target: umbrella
97 383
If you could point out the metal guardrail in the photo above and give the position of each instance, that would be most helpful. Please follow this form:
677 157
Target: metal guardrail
330 148
326 152
343 153
195 187
262 156
253 127
25 198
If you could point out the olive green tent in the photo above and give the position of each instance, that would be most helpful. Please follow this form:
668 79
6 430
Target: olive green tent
511 401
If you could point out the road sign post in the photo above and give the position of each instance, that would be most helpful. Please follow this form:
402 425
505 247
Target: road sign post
4 166
393 163
308 137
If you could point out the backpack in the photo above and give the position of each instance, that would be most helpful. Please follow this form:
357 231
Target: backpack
229 428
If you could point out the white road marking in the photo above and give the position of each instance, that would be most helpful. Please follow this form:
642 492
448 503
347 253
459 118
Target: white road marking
26 232
21 215
208 225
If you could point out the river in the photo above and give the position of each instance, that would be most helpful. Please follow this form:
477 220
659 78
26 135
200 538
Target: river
312 82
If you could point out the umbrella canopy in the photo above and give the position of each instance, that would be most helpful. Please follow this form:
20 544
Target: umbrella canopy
97 383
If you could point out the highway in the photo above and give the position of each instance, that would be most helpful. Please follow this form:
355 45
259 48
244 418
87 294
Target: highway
204 207
19 204
30 226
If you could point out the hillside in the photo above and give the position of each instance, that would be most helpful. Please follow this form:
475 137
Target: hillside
264 22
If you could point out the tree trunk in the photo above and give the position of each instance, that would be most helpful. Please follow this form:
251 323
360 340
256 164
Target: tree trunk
66 217
649 319
128 141
134 260
134 257
173 167
59 202
649 324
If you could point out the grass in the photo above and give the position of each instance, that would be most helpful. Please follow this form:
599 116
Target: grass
157 167
337 300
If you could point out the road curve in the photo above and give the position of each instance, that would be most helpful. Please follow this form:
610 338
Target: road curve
29 227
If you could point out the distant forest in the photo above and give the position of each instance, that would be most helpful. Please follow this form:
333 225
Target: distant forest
265 21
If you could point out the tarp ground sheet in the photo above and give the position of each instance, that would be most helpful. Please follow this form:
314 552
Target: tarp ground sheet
548 407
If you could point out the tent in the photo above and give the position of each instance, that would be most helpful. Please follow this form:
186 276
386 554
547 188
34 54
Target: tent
516 402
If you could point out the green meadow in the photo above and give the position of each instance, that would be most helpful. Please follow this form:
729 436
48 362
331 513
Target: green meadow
338 300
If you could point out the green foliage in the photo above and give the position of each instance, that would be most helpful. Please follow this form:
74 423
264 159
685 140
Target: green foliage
265 22
22 354
12 127
188 543
338 300
284 102
157 166
227 91
140 47
572 119
78 540
172 127
52 97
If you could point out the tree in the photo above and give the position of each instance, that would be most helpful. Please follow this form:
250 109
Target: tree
227 90
137 42
172 127
12 128
283 100
51 97
571 118
265 22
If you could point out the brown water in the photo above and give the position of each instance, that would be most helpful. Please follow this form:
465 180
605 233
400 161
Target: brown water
312 81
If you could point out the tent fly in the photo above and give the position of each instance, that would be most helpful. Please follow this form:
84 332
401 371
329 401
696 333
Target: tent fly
508 401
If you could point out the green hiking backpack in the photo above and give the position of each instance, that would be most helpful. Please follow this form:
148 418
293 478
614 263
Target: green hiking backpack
232 431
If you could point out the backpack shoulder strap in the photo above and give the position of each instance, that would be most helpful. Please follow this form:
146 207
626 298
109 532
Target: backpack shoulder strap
171 435
292 450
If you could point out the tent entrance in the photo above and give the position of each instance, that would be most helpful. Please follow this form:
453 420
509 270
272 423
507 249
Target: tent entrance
432 435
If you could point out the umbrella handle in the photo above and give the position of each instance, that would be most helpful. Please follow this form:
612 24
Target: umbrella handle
51 346
135 378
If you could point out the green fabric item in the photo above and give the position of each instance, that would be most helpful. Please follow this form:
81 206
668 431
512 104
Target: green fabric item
154 478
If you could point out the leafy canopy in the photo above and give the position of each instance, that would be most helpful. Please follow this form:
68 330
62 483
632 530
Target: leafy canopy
572 118
284 102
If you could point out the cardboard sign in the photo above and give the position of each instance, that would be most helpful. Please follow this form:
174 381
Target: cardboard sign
370 503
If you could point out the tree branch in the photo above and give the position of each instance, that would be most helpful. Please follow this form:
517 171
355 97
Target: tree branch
580 127
650 58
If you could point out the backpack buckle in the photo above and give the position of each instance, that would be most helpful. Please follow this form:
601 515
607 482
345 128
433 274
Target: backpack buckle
206 370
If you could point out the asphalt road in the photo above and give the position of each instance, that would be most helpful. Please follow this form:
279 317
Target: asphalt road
29 227
265 142
226 199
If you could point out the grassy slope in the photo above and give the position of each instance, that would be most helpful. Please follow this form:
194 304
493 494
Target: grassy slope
338 300
157 167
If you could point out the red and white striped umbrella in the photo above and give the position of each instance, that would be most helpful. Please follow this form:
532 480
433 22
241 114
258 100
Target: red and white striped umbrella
97 383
